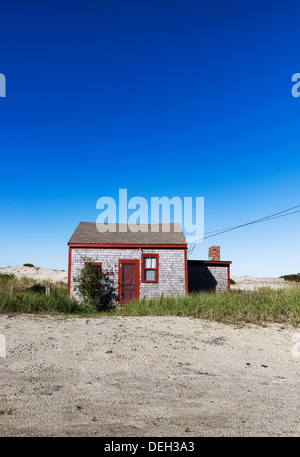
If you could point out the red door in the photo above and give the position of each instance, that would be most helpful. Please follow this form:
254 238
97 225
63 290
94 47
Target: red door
128 280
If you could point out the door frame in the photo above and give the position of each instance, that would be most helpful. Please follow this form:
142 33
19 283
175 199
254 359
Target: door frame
137 278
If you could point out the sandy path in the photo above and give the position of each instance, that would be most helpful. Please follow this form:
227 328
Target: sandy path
146 376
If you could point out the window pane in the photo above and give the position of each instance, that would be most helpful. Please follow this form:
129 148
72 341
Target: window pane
150 262
150 275
147 262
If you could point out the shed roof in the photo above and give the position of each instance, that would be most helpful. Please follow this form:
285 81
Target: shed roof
89 233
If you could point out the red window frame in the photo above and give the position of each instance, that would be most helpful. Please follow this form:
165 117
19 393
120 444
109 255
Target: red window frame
99 264
156 256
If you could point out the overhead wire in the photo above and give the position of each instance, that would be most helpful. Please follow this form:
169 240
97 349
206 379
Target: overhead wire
263 219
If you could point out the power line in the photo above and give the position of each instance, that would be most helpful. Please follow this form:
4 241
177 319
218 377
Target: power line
257 220
249 223
263 219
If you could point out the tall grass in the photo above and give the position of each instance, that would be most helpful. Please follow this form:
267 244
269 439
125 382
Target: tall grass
235 306
17 297
264 305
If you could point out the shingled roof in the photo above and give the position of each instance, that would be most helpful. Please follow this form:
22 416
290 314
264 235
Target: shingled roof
88 233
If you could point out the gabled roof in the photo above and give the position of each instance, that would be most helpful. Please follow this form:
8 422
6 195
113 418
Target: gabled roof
88 233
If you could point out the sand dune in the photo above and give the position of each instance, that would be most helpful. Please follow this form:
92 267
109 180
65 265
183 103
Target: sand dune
252 283
37 273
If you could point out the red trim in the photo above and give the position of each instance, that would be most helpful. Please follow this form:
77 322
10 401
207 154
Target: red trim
69 271
228 272
130 246
137 278
156 256
93 263
186 273
211 262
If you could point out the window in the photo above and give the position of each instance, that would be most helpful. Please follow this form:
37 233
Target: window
93 269
150 268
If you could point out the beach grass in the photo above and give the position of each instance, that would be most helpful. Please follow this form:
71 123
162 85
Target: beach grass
234 306
237 306
19 295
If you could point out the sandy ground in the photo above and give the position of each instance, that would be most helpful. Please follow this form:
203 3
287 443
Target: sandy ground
147 376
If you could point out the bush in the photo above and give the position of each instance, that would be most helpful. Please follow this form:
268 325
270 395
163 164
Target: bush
28 265
294 277
232 281
95 287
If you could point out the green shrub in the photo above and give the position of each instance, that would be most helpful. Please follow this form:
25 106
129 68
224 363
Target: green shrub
28 265
232 281
95 287
293 277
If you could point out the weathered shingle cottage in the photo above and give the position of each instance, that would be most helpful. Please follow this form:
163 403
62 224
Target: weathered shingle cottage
145 263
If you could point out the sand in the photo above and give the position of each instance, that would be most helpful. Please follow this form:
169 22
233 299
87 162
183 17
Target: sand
37 273
251 283
147 376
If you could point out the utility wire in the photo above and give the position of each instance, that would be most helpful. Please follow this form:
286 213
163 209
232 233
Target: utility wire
257 220
263 219
249 223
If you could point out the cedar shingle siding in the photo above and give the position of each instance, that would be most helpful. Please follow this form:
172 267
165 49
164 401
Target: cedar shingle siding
207 276
171 267
170 246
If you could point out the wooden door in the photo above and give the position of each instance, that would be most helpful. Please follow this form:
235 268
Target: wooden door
128 280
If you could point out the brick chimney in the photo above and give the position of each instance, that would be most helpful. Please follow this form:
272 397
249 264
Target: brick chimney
214 253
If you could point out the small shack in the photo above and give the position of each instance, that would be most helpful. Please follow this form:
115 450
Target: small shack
212 274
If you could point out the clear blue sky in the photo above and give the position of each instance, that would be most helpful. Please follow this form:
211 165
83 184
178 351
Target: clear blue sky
161 97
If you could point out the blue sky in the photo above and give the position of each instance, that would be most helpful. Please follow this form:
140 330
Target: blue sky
163 98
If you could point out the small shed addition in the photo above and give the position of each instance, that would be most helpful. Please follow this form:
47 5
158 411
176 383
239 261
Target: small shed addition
212 274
